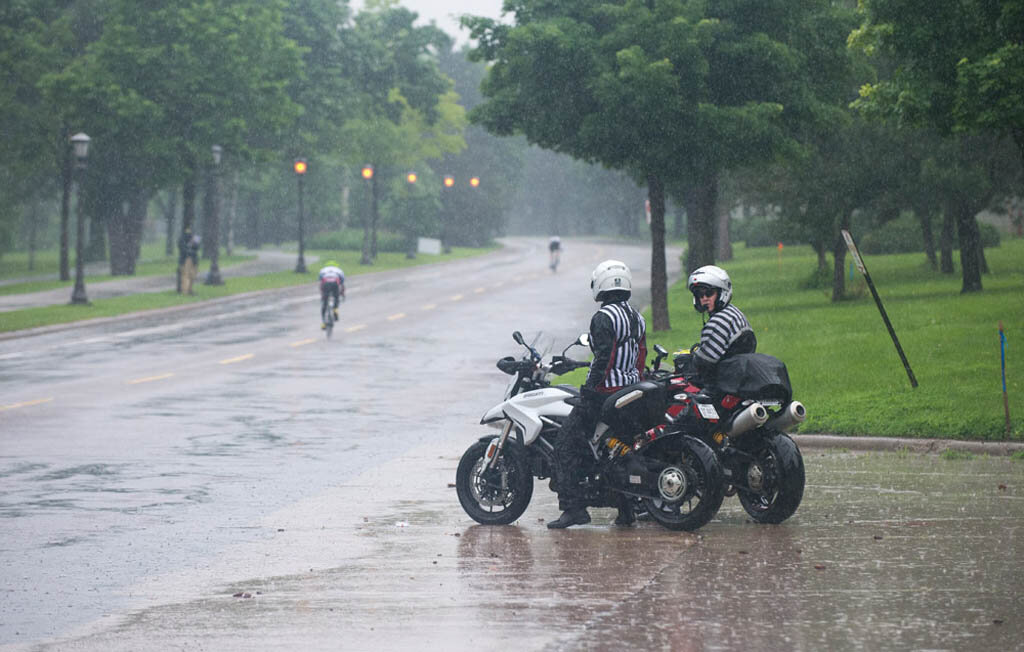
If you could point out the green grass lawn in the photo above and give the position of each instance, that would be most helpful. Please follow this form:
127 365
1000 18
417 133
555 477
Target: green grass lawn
842 362
349 261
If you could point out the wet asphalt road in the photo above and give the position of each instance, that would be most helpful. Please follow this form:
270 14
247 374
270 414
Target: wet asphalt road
154 470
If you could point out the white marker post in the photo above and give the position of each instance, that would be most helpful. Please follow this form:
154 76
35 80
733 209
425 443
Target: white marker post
867 277
1002 364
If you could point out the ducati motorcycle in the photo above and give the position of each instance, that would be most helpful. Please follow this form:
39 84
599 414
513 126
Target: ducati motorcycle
743 417
676 478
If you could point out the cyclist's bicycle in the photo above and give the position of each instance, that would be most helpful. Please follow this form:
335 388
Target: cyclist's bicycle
328 319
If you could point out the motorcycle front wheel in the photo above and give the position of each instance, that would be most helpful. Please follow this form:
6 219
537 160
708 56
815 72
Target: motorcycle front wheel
496 496
776 479
691 487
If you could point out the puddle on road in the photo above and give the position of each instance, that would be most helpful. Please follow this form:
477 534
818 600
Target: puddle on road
886 552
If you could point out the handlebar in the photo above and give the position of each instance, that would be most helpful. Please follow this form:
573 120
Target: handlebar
562 365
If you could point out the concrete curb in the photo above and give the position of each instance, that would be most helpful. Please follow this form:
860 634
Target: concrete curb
908 444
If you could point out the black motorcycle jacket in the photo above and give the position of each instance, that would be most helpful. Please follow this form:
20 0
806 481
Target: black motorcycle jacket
618 339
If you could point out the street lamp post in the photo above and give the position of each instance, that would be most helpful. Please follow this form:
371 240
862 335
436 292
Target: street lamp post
370 224
80 142
300 172
446 202
213 276
411 178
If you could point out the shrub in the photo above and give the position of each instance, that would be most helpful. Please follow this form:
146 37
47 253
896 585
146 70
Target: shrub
352 240
760 232
903 236
899 236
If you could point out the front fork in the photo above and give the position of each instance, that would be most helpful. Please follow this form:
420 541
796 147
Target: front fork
497 445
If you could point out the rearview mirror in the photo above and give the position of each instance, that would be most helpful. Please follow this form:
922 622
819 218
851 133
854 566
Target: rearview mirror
518 337
584 339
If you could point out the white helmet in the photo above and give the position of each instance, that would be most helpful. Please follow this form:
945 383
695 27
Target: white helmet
712 277
609 276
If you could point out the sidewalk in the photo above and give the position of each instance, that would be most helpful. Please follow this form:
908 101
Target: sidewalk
266 261
908 444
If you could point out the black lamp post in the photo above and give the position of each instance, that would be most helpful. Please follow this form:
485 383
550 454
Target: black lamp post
448 184
80 142
411 178
300 172
213 276
370 224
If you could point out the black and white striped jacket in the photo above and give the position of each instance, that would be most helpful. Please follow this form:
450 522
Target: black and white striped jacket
727 331
618 338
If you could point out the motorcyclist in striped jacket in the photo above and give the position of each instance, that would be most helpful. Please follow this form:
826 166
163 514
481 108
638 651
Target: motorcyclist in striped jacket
727 331
618 339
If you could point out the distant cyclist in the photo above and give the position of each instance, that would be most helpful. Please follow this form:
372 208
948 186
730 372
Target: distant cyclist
332 284
555 247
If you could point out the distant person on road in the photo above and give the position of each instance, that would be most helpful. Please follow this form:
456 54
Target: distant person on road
555 249
188 260
726 331
332 285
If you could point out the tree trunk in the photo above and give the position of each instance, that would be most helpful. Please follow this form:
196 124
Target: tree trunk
946 242
659 275
701 197
188 203
819 249
138 210
970 265
65 207
232 215
983 263
33 229
170 213
723 246
125 232
253 207
101 206
117 225
839 260
374 217
928 238
209 223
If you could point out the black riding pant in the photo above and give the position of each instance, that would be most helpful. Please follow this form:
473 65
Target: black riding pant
573 457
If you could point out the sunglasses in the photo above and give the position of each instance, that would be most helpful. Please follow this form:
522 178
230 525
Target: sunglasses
704 292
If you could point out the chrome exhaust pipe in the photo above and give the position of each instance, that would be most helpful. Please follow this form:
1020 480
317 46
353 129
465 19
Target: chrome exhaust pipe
752 417
792 415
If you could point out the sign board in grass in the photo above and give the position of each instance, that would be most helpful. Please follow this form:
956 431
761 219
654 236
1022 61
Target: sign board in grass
878 302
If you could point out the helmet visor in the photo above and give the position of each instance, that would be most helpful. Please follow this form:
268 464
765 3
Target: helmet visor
700 291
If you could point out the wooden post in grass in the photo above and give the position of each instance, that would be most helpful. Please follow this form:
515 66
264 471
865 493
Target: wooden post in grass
867 277
1002 363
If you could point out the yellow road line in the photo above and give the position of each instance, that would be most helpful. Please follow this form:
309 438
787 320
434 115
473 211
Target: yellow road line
25 404
479 290
302 342
457 297
238 358
400 315
149 379
430 306
353 329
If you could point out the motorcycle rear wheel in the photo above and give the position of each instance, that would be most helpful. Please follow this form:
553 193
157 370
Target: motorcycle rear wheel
782 470
495 496
704 488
